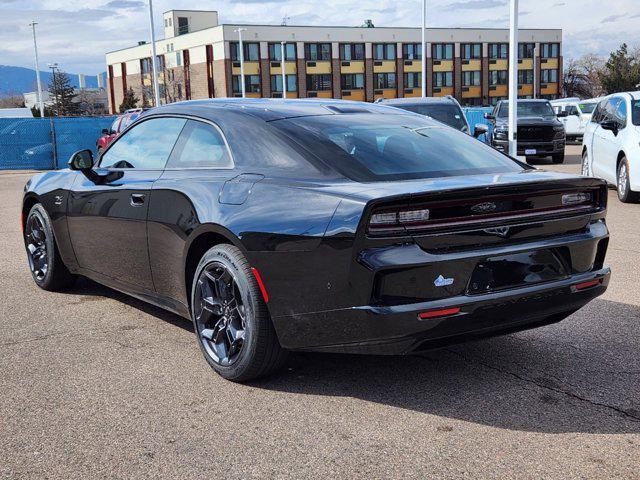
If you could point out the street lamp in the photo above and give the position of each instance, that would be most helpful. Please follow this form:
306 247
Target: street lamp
154 68
54 67
423 82
35 48
241 53
284 73
513 77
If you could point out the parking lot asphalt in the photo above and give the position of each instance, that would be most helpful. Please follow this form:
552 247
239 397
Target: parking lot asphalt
96 384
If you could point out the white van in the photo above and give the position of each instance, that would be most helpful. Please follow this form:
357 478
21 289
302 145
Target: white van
578 114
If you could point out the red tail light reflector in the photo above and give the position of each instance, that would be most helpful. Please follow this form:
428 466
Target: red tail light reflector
589 284
439 313
256 274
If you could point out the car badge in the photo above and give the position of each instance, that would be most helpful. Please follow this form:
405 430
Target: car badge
442 281
499 231
485 207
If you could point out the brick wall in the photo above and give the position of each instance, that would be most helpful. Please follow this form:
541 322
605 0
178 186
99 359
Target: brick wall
368 79
302 78
457 78
485 80
118 93
400 77
221 77
335 72
429 77
265 78
198 77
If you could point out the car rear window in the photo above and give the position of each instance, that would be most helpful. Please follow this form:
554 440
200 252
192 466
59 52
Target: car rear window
379 147
588 107
448 114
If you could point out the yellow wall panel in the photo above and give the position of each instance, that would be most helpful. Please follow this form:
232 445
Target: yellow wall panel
253 95
324 94
386 93
357 95
525 90
356 66
525 64
289 68
415 92
472 66
388 66
250 68
445 66
499 65
500 91
321 67
415 66
443 91
546 63
549 89
472 92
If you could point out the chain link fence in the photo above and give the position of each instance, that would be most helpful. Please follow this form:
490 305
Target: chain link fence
47 143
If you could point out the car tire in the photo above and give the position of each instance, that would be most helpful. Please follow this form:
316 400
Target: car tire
47 268
623 183
558 158
231 319
586 166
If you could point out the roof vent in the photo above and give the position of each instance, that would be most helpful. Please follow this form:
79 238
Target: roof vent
347 109
142 42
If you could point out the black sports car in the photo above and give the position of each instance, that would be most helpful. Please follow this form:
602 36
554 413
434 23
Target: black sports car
280 225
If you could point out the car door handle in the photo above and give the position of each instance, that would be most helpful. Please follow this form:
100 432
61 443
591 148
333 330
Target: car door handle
137 199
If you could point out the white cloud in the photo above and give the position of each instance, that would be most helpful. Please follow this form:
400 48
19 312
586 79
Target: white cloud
77 34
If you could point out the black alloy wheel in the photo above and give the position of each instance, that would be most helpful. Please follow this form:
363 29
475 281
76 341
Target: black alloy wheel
219 314
36 243
231 319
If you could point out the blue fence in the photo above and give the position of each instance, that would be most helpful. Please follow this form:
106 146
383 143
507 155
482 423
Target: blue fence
46 143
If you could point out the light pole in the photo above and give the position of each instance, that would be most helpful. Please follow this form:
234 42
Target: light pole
154 68
513 77
53 67
535 72
35 48
284 73
423 82
241 53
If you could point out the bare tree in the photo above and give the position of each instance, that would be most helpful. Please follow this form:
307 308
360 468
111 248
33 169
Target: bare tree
13 101
582 77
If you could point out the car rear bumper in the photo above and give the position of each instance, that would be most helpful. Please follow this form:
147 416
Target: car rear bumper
393 330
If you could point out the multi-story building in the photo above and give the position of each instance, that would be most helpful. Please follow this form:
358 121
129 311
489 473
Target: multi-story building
200 59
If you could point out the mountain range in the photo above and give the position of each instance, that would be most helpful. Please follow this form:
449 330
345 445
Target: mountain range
18 80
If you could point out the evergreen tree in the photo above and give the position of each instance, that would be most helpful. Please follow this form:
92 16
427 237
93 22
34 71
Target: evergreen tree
62 94
129 100
621 73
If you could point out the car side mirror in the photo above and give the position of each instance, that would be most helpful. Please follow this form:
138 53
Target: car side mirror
562 114
610 125
489 116
81 161
106 131
480 129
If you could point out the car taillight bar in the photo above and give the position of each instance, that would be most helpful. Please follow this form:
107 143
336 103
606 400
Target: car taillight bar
398 219
445 312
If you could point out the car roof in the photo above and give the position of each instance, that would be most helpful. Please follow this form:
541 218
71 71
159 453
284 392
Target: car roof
269 109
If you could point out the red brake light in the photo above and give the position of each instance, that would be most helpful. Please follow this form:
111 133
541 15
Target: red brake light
439 313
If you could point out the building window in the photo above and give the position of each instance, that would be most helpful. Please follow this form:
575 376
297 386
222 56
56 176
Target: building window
316 83
146 66
442 51
160 64
413 80
183 25
276 83
384 51
317 51
251 51
498 77
498 50
525 77
351 51
470 79
275 55
471 51
352 81
384 80
549 50
443 79
412 51
548 76
251 84
525 50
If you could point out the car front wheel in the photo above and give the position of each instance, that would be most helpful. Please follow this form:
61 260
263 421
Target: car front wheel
586 167
231 319
47 268
624 184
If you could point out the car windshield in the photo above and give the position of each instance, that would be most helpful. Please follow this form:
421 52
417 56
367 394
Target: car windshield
587 107
635 112
448 114
379 147
528 109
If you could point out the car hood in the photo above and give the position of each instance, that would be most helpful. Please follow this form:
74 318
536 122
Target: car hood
370 191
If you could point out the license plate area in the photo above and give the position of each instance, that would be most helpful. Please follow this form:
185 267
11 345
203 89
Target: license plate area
516 270
530 151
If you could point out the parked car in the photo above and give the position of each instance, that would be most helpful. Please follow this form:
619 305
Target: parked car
327 226
540 133
444 109
578 114
118 126
611 144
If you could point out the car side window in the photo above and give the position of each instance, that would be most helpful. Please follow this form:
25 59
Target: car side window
621 114
200 145
147 145
610 109
114 125
571 110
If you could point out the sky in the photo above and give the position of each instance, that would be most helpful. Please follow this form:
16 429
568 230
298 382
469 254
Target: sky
77 33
